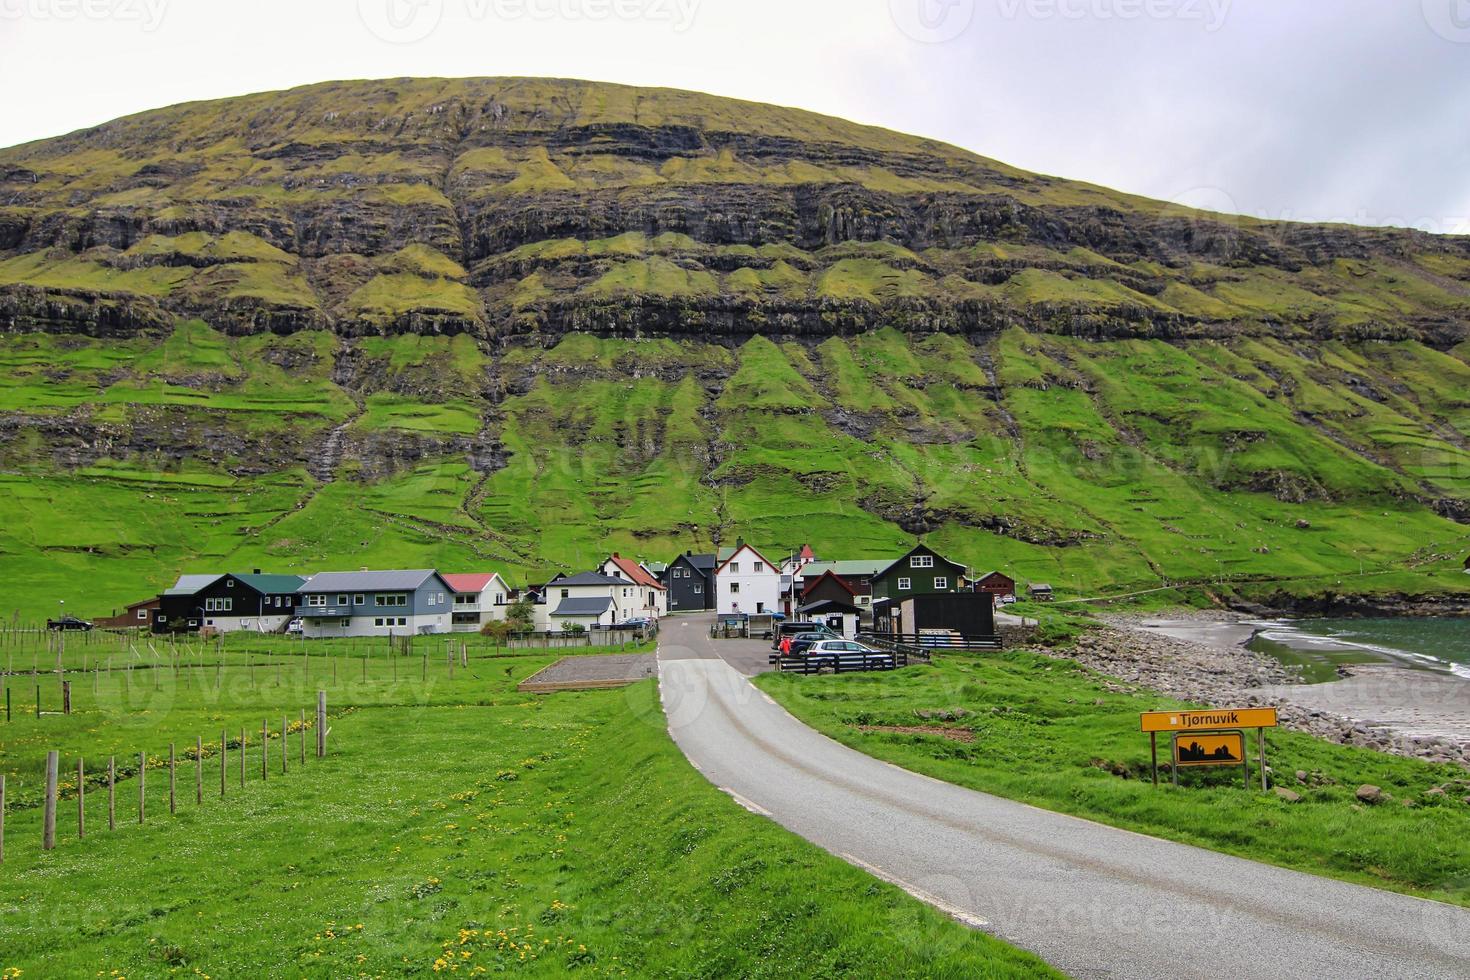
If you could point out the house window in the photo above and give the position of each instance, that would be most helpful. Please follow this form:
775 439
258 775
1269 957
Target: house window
566 593
760 567
357 600
142 614
734 586
500 598
441 598
760 607
316 600
905 584
193 622
699 590
402 621
378 621
940 582
391 599
342 600
229 583
863 600
345 623
734 568
921 561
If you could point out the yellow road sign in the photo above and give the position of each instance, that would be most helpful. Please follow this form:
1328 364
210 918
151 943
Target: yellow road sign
1193 721
1218 749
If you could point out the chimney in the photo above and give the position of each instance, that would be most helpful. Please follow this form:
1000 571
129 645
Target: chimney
616 555
739 542
256 572
688 553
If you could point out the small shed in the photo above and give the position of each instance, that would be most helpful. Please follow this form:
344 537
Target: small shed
1041 592
996 584
840 617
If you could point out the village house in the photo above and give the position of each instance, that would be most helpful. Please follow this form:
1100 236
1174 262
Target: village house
746 582
856 575
138 614
997 584
228 603
652 598
590 600
366 603
922 571
479 598
691 582
842 618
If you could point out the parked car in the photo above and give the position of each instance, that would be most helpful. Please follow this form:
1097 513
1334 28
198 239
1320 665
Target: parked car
784 630
830 650
802 642
68 622
293 628
635 624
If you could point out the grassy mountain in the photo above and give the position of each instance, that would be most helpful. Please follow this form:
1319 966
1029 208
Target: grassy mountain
525 321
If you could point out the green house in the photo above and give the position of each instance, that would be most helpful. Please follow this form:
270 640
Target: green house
923 571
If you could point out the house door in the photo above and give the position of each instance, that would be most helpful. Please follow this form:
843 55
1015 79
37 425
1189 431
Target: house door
760 607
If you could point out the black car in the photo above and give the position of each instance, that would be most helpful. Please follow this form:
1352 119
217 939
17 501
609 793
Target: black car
68 623
784 630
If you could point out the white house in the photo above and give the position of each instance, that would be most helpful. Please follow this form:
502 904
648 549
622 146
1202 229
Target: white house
479 598
747 582
652 599
589 600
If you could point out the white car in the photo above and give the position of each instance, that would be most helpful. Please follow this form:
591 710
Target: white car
293 628
833 649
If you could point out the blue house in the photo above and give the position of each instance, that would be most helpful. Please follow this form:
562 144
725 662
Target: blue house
400 602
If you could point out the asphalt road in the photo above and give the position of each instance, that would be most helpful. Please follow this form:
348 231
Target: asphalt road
1092 900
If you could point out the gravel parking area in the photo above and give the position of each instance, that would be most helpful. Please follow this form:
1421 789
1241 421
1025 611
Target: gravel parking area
589 673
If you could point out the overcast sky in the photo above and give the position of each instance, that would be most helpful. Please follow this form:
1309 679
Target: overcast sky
1354 110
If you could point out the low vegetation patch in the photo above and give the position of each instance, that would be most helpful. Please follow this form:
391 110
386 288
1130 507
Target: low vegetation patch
1051 733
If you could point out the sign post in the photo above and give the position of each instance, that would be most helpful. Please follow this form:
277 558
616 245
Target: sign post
1208 737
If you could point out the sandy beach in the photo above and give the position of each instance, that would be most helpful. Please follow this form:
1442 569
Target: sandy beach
1202 657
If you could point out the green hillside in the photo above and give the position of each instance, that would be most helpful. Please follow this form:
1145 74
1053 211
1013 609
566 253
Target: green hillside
520 323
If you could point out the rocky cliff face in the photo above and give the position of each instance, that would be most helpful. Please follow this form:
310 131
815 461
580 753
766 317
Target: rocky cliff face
514 207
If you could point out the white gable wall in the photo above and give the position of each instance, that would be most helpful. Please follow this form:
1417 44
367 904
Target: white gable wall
740 588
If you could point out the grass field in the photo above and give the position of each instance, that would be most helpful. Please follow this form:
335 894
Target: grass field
455 827
1048 732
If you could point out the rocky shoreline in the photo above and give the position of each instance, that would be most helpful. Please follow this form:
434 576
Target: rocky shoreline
1221 673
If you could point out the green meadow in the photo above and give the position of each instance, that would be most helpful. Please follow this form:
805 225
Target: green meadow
455 826
1048 732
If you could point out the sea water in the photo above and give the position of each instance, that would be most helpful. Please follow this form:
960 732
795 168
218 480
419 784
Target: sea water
1318 646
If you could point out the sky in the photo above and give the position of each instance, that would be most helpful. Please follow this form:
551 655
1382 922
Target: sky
1341 110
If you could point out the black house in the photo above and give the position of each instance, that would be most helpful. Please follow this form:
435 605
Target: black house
233 601
691 582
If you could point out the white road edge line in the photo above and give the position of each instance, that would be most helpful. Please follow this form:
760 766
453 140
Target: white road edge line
962 916
750 805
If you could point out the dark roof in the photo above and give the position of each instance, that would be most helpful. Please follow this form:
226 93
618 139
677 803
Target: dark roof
272 584
398 580
588 578
918 547
588 606
704 563
828 605
829 574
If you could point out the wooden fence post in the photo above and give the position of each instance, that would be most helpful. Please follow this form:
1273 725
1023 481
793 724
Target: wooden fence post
285 743
224 759
242 756
112 792
173 799
265 750
2 818
142 786
48 827
66 697
81 800
303 736
198 770
321 722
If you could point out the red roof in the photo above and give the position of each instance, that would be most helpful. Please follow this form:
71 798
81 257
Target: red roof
807 554
465 584
635 572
